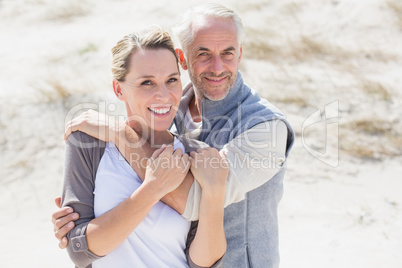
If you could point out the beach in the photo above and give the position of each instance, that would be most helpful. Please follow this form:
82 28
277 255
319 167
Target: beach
334 68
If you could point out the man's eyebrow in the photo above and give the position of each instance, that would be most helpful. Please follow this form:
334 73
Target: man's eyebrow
231 48
203 49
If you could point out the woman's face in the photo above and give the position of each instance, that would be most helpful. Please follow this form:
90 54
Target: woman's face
152 88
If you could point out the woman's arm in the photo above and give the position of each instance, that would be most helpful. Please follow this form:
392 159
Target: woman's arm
130 144
109 230
211 170
83 154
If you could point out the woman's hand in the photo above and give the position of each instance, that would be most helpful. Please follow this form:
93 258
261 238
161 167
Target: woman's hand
210 168
166 170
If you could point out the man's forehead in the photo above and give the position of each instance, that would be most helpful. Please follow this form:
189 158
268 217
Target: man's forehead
199 21
203 24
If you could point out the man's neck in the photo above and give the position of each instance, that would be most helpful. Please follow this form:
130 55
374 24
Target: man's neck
195 109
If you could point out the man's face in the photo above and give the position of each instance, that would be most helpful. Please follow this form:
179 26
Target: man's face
213 57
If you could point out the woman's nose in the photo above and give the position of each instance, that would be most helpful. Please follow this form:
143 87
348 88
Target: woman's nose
162 92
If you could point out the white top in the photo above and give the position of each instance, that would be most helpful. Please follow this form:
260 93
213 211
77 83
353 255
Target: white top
159 240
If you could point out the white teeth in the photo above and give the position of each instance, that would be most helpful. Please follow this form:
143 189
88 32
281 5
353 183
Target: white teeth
160 110
215 80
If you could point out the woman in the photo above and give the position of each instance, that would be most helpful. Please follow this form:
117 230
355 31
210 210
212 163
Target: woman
132 227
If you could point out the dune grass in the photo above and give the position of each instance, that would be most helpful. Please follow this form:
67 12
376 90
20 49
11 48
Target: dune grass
371 138
396 8
376 88
47 10
302 48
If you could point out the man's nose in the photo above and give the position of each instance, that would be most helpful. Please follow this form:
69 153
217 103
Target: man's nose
217 64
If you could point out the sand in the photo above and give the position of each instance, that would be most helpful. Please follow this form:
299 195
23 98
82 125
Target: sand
333 67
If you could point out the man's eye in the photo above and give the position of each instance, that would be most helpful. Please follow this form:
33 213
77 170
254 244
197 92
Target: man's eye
203 54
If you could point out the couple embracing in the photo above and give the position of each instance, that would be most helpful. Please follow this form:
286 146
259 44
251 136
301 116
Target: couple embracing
214 201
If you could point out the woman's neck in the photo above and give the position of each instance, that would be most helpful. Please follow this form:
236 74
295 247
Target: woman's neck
160 137
153 137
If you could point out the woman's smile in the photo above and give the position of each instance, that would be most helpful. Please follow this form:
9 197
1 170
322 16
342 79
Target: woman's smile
160 111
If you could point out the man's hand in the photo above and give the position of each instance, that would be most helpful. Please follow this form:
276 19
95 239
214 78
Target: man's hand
63 221
95 124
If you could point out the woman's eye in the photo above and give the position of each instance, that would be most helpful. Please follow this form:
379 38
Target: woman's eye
172 80
147 82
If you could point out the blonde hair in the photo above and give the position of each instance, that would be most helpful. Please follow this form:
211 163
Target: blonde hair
152 38
184 31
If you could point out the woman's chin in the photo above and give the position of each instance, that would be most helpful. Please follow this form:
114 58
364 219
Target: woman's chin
160 127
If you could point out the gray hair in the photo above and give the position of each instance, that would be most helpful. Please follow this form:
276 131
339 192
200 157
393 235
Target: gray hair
184 31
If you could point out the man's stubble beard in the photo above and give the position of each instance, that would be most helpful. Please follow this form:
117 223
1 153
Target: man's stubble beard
200 90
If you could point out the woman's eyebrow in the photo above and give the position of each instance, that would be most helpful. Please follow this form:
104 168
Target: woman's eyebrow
145 76
152 76
174 74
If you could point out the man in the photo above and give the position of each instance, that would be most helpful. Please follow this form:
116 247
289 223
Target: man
218 108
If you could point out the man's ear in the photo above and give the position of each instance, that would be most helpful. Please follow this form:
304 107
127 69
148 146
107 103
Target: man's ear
117 89
182 60
241 52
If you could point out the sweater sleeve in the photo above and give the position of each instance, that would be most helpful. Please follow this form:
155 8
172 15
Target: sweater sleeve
254 156
190 238
82 157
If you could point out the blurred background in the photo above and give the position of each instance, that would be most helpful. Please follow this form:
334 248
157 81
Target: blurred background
334 67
